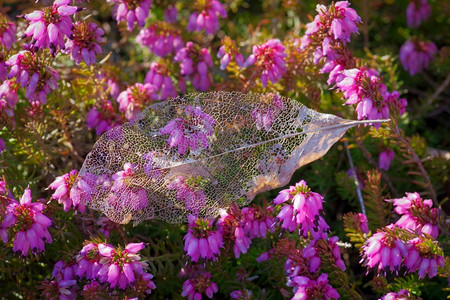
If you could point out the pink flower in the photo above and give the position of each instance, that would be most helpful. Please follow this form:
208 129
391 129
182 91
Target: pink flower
107 226
159 78
384 249
417 214
50 26
7 33
189 191
103 118
206 16
269 57
363 223
161 38
135 98
400 295
306 288
63 290
195 287
266 113
88 260
229 52
8 97
29 226
195 63
82 190
64 270
131 11
417 12
38 78
422 257
201 240
2 145
84 44
191 131
385 158
416 55
258 220
170 14
302 210
62 186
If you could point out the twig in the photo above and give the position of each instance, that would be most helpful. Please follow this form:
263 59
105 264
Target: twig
358 189
440 89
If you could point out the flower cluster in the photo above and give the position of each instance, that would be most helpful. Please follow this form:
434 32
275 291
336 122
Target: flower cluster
159 78
29 225
307 288
62 186
8 98
206 16
135 97
131 11
385 158
423 257
84 43
201 240
400 295
266 115
416 55
7 33
270 58
194 62
103 118
189 191
417 12
195 287
49 26
161 38
187 133
302 210
32 74
229 52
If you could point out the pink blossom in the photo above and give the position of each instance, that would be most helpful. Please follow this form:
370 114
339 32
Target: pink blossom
201 240
306 288
7 33
191 131
195 287
170 14
363 223
206 16
82 190
135 98
266 114
107 226
258 221
417 12
189 191
301 209
269 57
416 55
50 26
422 259
63 290
384 249
161 38
2 145
229 52
103 118
417 214
29 226
62 186
33 74
88 260
8 97
84 44
159 78
131 11
385 158
400 295
195 63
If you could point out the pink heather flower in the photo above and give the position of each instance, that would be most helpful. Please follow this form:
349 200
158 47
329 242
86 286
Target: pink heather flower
242 294
62 186
201 240
400 295
32 74
134 98
64 270
103 118
126 193
385 158
417 214
121 267
131 11
206 16
159 78
302 210
29 224
231 224
161 38
107 226
229 52
3 68
50 26
306 288
269 57
363 223
421 258
189 192
170 14
312 253
191 131
7 33
195 287
8 97
266 114
416 55
84 44
384 249
82 190
88 260
417 12
2 145
194 63
63 290
258 220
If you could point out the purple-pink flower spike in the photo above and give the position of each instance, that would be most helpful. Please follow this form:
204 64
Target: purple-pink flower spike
84 44
306 288
385 158
62 186
201 241
194 288
416 55
131 11
161 38
417 12
135 98
159 78
206 16
7 33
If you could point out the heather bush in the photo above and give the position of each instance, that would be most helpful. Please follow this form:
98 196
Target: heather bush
368 220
